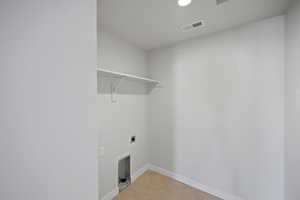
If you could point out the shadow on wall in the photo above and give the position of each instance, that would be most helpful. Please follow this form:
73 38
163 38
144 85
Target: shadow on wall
127 87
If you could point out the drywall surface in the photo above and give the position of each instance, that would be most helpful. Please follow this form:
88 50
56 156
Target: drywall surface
48 131
128 116
292 102
219 117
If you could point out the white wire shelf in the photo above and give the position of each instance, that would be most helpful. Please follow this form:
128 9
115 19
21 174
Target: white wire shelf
121 83
118 75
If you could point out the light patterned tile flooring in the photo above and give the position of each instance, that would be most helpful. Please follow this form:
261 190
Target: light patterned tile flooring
154 186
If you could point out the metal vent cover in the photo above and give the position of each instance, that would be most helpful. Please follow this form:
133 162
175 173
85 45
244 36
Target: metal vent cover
219 2
193 26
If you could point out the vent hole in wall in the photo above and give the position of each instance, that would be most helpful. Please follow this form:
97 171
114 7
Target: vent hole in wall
124 173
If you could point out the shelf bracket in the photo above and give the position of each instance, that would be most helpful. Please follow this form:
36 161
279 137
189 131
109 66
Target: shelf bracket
114 87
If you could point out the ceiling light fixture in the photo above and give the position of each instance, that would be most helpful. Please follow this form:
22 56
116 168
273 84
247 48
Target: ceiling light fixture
183 3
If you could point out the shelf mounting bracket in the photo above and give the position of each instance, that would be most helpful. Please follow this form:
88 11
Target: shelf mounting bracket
114 85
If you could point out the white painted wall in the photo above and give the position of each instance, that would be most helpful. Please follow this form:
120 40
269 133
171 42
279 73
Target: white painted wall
48 131
219 119
128 116
292 102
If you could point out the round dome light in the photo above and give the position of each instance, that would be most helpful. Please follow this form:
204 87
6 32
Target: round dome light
183 3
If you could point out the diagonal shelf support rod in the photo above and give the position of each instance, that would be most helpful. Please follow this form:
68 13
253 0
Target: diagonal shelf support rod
114 85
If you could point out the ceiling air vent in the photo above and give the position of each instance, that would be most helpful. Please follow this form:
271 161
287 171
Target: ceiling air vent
193 26
219 2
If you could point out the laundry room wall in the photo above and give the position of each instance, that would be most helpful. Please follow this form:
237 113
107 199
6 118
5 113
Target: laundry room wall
127 116
48 129
292 102
219 117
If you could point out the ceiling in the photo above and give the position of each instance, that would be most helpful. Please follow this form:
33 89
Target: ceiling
154 23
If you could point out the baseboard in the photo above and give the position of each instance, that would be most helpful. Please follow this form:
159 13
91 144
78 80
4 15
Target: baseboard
194 183
139 172
115 192
111 195
180 178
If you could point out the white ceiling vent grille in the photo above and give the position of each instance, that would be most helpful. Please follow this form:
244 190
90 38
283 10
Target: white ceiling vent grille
193 26
219 2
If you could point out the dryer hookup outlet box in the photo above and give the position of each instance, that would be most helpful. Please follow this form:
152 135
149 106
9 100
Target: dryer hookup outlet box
132 139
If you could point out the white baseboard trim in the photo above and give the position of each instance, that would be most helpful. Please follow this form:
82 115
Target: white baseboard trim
111 195
194 184
139 172
180 178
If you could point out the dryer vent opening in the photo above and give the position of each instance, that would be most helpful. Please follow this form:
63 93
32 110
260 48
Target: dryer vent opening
124 175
